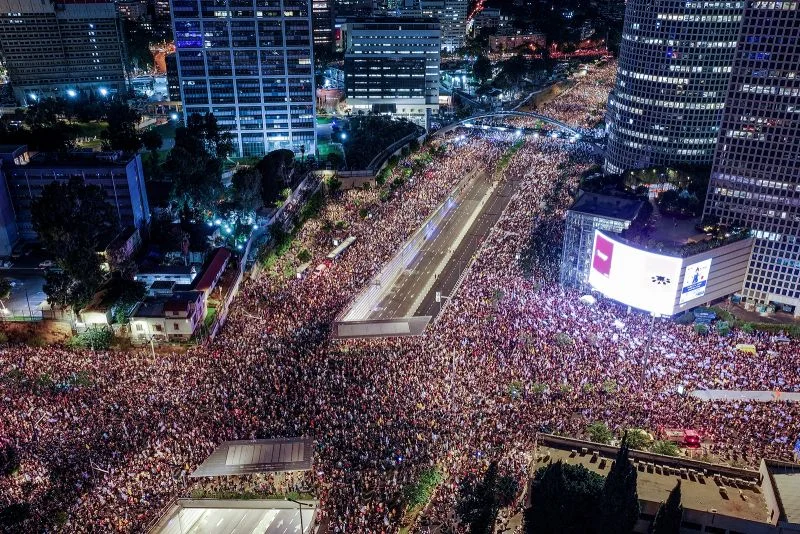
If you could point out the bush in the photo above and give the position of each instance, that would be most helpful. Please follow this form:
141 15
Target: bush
747 328
723 328
94 338
538 388
363 212
639 439
609 386
419 493
701 328
599 432
3 338
9 460
304 255
667 448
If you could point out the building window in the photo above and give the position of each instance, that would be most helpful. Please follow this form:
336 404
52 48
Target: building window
175 326
139 327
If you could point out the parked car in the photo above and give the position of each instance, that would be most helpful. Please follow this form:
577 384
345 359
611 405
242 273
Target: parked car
6 264
46 264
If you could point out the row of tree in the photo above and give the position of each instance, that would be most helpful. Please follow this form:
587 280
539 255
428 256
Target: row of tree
572 499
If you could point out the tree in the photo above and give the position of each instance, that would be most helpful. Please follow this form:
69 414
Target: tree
639 439
277 169
73 220
5 290
121 132
481 501
482 69
9 459
599 432
195 163
246 189
152 141
619 503
669 515
565 499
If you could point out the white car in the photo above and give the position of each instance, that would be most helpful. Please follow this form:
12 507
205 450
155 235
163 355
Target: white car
46 264
6 264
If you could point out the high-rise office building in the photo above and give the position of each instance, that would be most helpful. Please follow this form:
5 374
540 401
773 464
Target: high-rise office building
173 81
251 64
322 22
452 15
391 65
60 49
674 65
755 179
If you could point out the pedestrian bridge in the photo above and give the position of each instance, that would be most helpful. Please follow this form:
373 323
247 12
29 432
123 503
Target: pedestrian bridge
499 114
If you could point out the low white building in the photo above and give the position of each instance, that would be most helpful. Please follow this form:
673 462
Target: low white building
175 318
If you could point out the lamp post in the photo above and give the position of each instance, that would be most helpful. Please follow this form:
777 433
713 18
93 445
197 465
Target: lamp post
300 504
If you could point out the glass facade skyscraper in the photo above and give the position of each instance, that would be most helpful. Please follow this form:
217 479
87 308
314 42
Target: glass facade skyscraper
674 65
755 180
251 64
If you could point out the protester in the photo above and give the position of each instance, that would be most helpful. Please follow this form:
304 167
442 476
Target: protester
109 438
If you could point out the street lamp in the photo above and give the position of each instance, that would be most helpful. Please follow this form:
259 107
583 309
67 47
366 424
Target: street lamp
103 91
300 504
173 116
72 93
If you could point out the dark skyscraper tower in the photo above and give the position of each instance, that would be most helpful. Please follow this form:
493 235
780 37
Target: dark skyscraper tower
755 179
674 64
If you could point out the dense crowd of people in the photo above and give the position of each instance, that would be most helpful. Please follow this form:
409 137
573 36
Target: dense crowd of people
106 439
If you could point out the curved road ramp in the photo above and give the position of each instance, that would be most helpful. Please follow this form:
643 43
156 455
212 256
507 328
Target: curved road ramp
413 286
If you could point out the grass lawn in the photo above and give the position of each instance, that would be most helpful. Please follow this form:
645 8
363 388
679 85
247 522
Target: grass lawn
329 148
89 129
211 316
324 119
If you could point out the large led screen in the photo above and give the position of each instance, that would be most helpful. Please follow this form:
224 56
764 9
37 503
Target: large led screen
634 277
695 280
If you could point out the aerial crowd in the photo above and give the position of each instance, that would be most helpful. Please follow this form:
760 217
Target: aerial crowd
510 355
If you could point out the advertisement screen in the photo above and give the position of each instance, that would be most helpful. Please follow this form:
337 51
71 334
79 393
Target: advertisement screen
695 280
634 277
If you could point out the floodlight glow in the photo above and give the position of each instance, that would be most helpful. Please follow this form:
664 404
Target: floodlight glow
103 91
218 222
255 227
344 136
173 116
33 97
72 93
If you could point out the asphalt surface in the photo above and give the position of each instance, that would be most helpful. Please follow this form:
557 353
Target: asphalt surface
239 521
468 248
414 291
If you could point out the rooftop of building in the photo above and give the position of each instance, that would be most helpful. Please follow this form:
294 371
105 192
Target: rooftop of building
608 206
785 480
149 308
86 159
213 268
389 19
701 483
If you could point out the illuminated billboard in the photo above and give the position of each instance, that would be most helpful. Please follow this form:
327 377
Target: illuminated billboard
634 277
695 280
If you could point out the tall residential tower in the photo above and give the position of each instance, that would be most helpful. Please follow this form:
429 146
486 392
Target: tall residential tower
251 64
755 181
674 65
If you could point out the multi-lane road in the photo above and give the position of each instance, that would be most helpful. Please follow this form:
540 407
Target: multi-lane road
447 252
